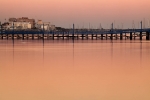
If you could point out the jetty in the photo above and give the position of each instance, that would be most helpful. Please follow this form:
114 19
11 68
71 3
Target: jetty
101 34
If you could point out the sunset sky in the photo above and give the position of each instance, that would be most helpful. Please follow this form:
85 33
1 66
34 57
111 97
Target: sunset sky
81 12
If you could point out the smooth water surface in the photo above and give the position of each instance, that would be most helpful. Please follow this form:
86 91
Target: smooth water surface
74 70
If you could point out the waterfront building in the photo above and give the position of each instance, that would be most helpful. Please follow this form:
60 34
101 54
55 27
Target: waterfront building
23 23
6 26
44 25
52 27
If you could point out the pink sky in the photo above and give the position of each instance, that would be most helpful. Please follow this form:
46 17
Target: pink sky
81 12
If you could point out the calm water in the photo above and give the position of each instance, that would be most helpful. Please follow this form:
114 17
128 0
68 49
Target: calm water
83 70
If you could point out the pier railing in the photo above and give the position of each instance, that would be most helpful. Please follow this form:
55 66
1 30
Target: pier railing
76 33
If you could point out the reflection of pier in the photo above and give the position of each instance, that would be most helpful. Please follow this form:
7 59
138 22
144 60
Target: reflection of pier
77 34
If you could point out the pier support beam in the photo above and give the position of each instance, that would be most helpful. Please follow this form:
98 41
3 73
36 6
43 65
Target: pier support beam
13 36
82 36
134 35
111 37
43 35
140 35
120 36
7 36
96 36
101 36
38 36
147 35
27 36
77 36
32 36
92 36
130 35
23 36
0 28
2 36
141 31
116 36
47 35
73 32
53 35
43 31
87 36
125 36
63 35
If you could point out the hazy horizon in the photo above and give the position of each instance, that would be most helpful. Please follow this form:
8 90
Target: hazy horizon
123 13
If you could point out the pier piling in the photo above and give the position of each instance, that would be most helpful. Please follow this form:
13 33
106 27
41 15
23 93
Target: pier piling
32 36
53 35
130 35
106 36
7 36
141 35
73 32
13 36
120 36
111 37
23 36
101 36
82 36
92 36
147 36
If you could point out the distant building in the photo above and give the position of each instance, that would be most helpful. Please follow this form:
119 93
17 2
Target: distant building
52 27
6 25
12 19
44 25
24 22
39 24
22 25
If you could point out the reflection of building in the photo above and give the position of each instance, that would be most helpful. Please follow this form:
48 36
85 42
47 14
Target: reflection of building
23 23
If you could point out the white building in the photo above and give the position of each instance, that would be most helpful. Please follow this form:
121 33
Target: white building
45 25
20 25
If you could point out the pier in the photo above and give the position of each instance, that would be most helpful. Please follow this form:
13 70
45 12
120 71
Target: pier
98 34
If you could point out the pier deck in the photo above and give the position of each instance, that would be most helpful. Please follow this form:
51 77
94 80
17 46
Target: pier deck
77 34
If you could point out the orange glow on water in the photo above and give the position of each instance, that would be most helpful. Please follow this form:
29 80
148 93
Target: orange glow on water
85 71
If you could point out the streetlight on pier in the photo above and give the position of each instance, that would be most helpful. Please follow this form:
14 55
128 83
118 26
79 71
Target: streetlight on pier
141 25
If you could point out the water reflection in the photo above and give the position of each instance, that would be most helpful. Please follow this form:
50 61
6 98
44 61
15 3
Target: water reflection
43 51
74 70
140 53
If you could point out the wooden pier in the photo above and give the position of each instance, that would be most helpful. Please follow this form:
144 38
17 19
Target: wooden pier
77 34
99 34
